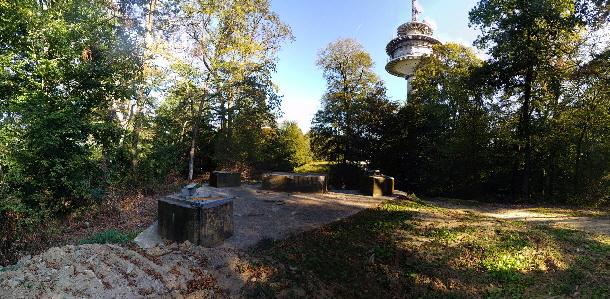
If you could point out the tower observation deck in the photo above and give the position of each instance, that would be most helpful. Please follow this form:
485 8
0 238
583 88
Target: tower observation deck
414 40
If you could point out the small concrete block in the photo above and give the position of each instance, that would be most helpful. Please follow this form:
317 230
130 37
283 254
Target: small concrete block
221 179
377 185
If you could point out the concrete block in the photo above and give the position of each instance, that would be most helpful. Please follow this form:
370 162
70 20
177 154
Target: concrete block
296 182
377 185
221 179
204 222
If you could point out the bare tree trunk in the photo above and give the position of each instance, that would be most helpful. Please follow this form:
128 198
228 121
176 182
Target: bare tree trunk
526 133
577 164
196 123
136 135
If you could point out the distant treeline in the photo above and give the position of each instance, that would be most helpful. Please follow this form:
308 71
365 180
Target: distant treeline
530 122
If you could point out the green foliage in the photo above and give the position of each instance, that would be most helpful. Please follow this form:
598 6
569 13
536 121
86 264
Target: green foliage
78 118
268 152
562 234
9 268
229 58
599 248
64 68
57 74
533 47
505 267
514 241
443 234
172 133
296 144
529 123
446 123
356 113
109 236
341 176
315 167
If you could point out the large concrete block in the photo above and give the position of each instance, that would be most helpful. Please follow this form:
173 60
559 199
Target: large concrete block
202 221
295 182
220 179
377 185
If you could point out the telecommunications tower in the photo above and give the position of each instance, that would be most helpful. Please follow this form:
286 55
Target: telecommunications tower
414 40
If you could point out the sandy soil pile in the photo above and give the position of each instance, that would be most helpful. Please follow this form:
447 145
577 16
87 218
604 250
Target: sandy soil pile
111 271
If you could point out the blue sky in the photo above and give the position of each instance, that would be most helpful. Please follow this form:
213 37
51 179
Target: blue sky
316 23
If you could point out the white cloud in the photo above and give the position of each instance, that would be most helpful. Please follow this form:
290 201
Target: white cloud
431 23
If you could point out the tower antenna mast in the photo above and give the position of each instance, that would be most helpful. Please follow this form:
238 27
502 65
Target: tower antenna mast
414 10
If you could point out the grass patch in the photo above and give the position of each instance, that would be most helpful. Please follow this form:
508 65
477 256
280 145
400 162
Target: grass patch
109 236
9 268
515 240
410 249
443 235
315 167
561 234
461 202
505 267
599 248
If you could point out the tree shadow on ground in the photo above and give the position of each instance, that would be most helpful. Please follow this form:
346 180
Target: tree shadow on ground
410 249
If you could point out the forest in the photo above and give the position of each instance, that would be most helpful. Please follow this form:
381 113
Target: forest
103 98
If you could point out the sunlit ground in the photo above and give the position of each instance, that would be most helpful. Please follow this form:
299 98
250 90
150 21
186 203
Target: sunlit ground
412 249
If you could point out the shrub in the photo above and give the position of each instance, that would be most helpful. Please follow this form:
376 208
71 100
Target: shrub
109 236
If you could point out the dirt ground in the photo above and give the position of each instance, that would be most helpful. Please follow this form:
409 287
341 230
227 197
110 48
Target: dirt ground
586 220
172 270
161 269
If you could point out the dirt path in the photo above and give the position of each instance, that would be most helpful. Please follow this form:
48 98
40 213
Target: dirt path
594 222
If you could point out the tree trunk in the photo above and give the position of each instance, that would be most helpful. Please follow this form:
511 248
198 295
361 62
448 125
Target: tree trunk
577 162
196 123
526 133
136 136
